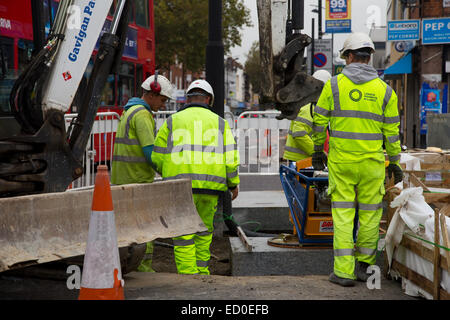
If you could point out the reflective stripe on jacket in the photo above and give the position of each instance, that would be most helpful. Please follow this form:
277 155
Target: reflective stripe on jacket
197 144
136 130
299 144
362 113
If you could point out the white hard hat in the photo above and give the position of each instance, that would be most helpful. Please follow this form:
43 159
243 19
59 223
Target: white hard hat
203 85
166 87
357 40
322 75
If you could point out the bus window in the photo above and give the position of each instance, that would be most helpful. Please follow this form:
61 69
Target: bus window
112 11
139 77
7 74
109 92
126 83
25 49
113 8
131 13
50 9
55 5
141 10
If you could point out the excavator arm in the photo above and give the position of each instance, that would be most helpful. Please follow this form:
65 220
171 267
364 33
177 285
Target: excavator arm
44 157
286 85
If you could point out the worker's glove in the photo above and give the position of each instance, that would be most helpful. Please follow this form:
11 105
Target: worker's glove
234 192
319 160
396 170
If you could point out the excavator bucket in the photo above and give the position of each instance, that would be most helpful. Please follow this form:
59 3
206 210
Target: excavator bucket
41 228
285 85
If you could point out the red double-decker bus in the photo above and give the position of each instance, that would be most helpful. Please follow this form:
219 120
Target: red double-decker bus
16 47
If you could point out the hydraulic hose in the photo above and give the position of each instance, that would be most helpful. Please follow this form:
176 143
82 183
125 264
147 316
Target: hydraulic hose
25 109
233 225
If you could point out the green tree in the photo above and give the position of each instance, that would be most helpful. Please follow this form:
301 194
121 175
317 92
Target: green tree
253 67
181 30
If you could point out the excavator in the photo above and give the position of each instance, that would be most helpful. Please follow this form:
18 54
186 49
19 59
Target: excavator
39 222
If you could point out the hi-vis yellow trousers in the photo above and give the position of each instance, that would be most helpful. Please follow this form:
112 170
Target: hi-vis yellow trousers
146 263
191 251
355 185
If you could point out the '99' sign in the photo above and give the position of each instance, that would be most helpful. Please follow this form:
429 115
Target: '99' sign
338 5
338 9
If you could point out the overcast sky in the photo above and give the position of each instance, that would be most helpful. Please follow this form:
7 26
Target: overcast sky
363 13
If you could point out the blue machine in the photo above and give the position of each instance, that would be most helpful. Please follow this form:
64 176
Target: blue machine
297 187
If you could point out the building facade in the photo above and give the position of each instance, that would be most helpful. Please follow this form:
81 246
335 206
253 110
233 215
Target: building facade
238 92
421 77
181 79
236 89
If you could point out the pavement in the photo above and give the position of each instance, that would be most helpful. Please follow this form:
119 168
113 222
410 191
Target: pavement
169 286
216 297
260 199
172 286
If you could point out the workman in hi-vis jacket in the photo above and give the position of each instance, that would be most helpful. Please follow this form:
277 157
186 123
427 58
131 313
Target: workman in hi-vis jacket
299 144
134 142
197 144
362 113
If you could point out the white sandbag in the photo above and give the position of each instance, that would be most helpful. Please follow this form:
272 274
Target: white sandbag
412 212
413 208
394 235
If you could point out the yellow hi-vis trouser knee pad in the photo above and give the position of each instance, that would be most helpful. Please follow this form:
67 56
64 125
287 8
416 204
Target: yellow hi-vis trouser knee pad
354 185
192 252
146 263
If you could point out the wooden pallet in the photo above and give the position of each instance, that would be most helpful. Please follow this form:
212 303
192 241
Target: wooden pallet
431 254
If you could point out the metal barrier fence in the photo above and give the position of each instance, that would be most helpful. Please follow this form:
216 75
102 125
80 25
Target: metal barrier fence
261 139
161 116
100 146
259 135
231 119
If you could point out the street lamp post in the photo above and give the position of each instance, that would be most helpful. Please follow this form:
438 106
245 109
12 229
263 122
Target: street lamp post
319 31
319 9
312 45
298 7
215 55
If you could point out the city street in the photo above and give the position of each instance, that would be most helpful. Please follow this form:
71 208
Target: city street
227 159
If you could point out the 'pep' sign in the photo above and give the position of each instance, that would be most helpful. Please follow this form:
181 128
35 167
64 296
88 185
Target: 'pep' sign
436 31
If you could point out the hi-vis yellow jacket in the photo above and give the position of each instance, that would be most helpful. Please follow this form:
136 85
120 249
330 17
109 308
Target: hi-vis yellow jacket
136 130
362 112
197 144
299 144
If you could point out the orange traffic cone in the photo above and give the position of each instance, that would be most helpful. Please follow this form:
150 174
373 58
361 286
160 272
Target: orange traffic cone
102 276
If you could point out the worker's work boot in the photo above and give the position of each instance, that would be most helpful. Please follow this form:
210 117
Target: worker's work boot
145 266
361 271
344 282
